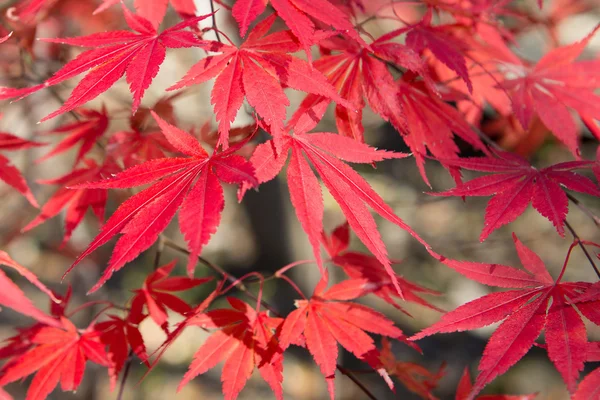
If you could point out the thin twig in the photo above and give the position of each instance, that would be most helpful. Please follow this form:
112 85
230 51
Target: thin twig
214 21
125 375
583 208
587 254
358 383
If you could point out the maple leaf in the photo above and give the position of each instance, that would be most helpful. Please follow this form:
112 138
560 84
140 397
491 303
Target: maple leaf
190 183
326 151
328 318
430 124
297 16
414 377
155 294
13 297
145 141
425 121
553 86
245 339
525 313
136 147
358 75
465 387
589 387
59 355
76 201
8 173
120 335
445 46
257 70
137 54
363 266
154 10
87 130
515 184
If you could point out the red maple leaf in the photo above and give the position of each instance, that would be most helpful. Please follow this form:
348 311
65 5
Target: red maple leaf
120 336
154 10
326 151
360 75
328 318
258 70
137 54
145 141
430 124
515 184
58 355
75 201
525 313
245 339
13 297
589 387
553 86
8 173
440 41
155 294
297 16
191 183
87 130
414 377
364 266
465 387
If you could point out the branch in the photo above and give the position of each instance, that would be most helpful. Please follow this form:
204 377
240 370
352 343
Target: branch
583 208
587 254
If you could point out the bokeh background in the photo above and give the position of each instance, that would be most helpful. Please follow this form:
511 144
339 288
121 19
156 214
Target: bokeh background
263 234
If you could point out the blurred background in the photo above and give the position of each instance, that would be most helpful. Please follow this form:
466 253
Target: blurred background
262 232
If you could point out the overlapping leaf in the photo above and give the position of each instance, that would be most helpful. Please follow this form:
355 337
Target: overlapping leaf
297 15
121 336
59 355
538 303
358 75
155 294
364 266
440 41
328 318
137 54
258 70
515 184
414 377
190 183
326 152
13 297
8 173
465 387
75 201
552 87
245 339
87 130
154 10
589 388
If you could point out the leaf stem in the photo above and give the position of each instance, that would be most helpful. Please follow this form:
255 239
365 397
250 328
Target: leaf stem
583 208
214 21
358 383
125 375
587 254
564 267
292 284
